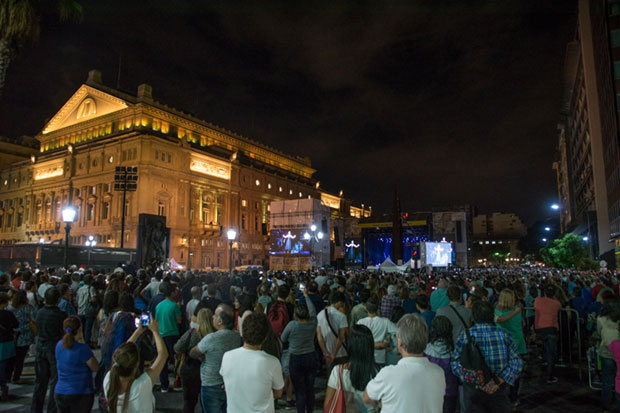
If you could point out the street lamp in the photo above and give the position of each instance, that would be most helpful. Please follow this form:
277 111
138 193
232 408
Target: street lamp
231 234
544 240
315 236
68 216
585 238
90 243
555 206
547 229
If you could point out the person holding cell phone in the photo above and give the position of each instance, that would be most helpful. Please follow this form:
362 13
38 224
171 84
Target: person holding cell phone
120 325
303 364
124 388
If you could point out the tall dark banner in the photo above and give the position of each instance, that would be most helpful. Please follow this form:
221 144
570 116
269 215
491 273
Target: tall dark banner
153 241
397 230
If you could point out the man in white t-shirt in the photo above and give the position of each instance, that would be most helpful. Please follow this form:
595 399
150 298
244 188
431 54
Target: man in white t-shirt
332 328
252 378
381 328
414 384
152 287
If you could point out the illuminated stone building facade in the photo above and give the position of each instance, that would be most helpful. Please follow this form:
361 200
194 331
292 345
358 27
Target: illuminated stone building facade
201 177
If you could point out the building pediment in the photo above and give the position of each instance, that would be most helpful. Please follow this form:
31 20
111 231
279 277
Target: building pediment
85 104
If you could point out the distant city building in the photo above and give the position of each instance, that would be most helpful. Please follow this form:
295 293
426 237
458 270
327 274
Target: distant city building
588 164
497 236
203 178
499 225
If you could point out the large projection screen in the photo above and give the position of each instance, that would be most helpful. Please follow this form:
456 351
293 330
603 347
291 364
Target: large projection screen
438 254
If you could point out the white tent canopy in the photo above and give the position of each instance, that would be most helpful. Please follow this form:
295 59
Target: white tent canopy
388 266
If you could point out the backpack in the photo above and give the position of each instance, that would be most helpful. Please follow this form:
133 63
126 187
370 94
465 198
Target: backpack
278 317
474 366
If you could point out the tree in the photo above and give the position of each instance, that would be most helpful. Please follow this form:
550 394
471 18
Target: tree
19 23
570 251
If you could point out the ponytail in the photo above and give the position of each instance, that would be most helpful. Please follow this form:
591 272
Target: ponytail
71 325
125 361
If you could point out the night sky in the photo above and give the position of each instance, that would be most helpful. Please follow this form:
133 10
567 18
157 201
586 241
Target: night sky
452 101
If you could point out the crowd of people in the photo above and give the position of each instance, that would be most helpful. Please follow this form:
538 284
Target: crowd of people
246 341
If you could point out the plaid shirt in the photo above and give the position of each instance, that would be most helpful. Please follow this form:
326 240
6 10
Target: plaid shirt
388 302
498 349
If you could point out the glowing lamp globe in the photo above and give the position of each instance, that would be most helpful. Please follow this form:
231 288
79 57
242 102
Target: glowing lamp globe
68 214
231 234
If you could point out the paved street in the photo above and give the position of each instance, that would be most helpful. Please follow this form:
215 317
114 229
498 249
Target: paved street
568 395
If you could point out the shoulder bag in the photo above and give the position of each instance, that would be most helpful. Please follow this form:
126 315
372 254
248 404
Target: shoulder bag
473 364
342 401
31 323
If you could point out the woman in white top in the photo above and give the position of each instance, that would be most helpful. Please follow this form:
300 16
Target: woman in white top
357 372
123 378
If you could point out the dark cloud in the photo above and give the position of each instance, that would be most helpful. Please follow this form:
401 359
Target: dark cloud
453 101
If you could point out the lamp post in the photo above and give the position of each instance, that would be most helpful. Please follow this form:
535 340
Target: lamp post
316 236
90 243
231 234
68 216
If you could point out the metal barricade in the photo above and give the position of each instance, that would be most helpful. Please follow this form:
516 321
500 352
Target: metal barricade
570 353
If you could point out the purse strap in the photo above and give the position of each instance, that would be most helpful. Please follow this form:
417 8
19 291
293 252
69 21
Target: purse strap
329 323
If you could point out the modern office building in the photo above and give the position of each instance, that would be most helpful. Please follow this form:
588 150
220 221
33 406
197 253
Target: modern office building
588 164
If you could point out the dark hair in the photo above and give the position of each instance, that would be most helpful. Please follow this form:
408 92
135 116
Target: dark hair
63 288
313 287
246 302
336 297
397 313
611 309
301 312
283 291
372 306
71 326
226 316
165 289
361 349
454 293
52 296
422 301
482 312
126 303
4 298
110 302
19 299
364 295
550 291
255 328
441 330
88 279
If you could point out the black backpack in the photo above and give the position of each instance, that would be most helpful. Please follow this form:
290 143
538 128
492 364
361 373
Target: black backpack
473 364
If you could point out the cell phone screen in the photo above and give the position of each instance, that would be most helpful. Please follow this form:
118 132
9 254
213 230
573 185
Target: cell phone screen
137 321
145 320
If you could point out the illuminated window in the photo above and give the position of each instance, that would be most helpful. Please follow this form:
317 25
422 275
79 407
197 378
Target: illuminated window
244 203
268 186
161 208
300 195
290 192
90 212
257 182
280 189
105 210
